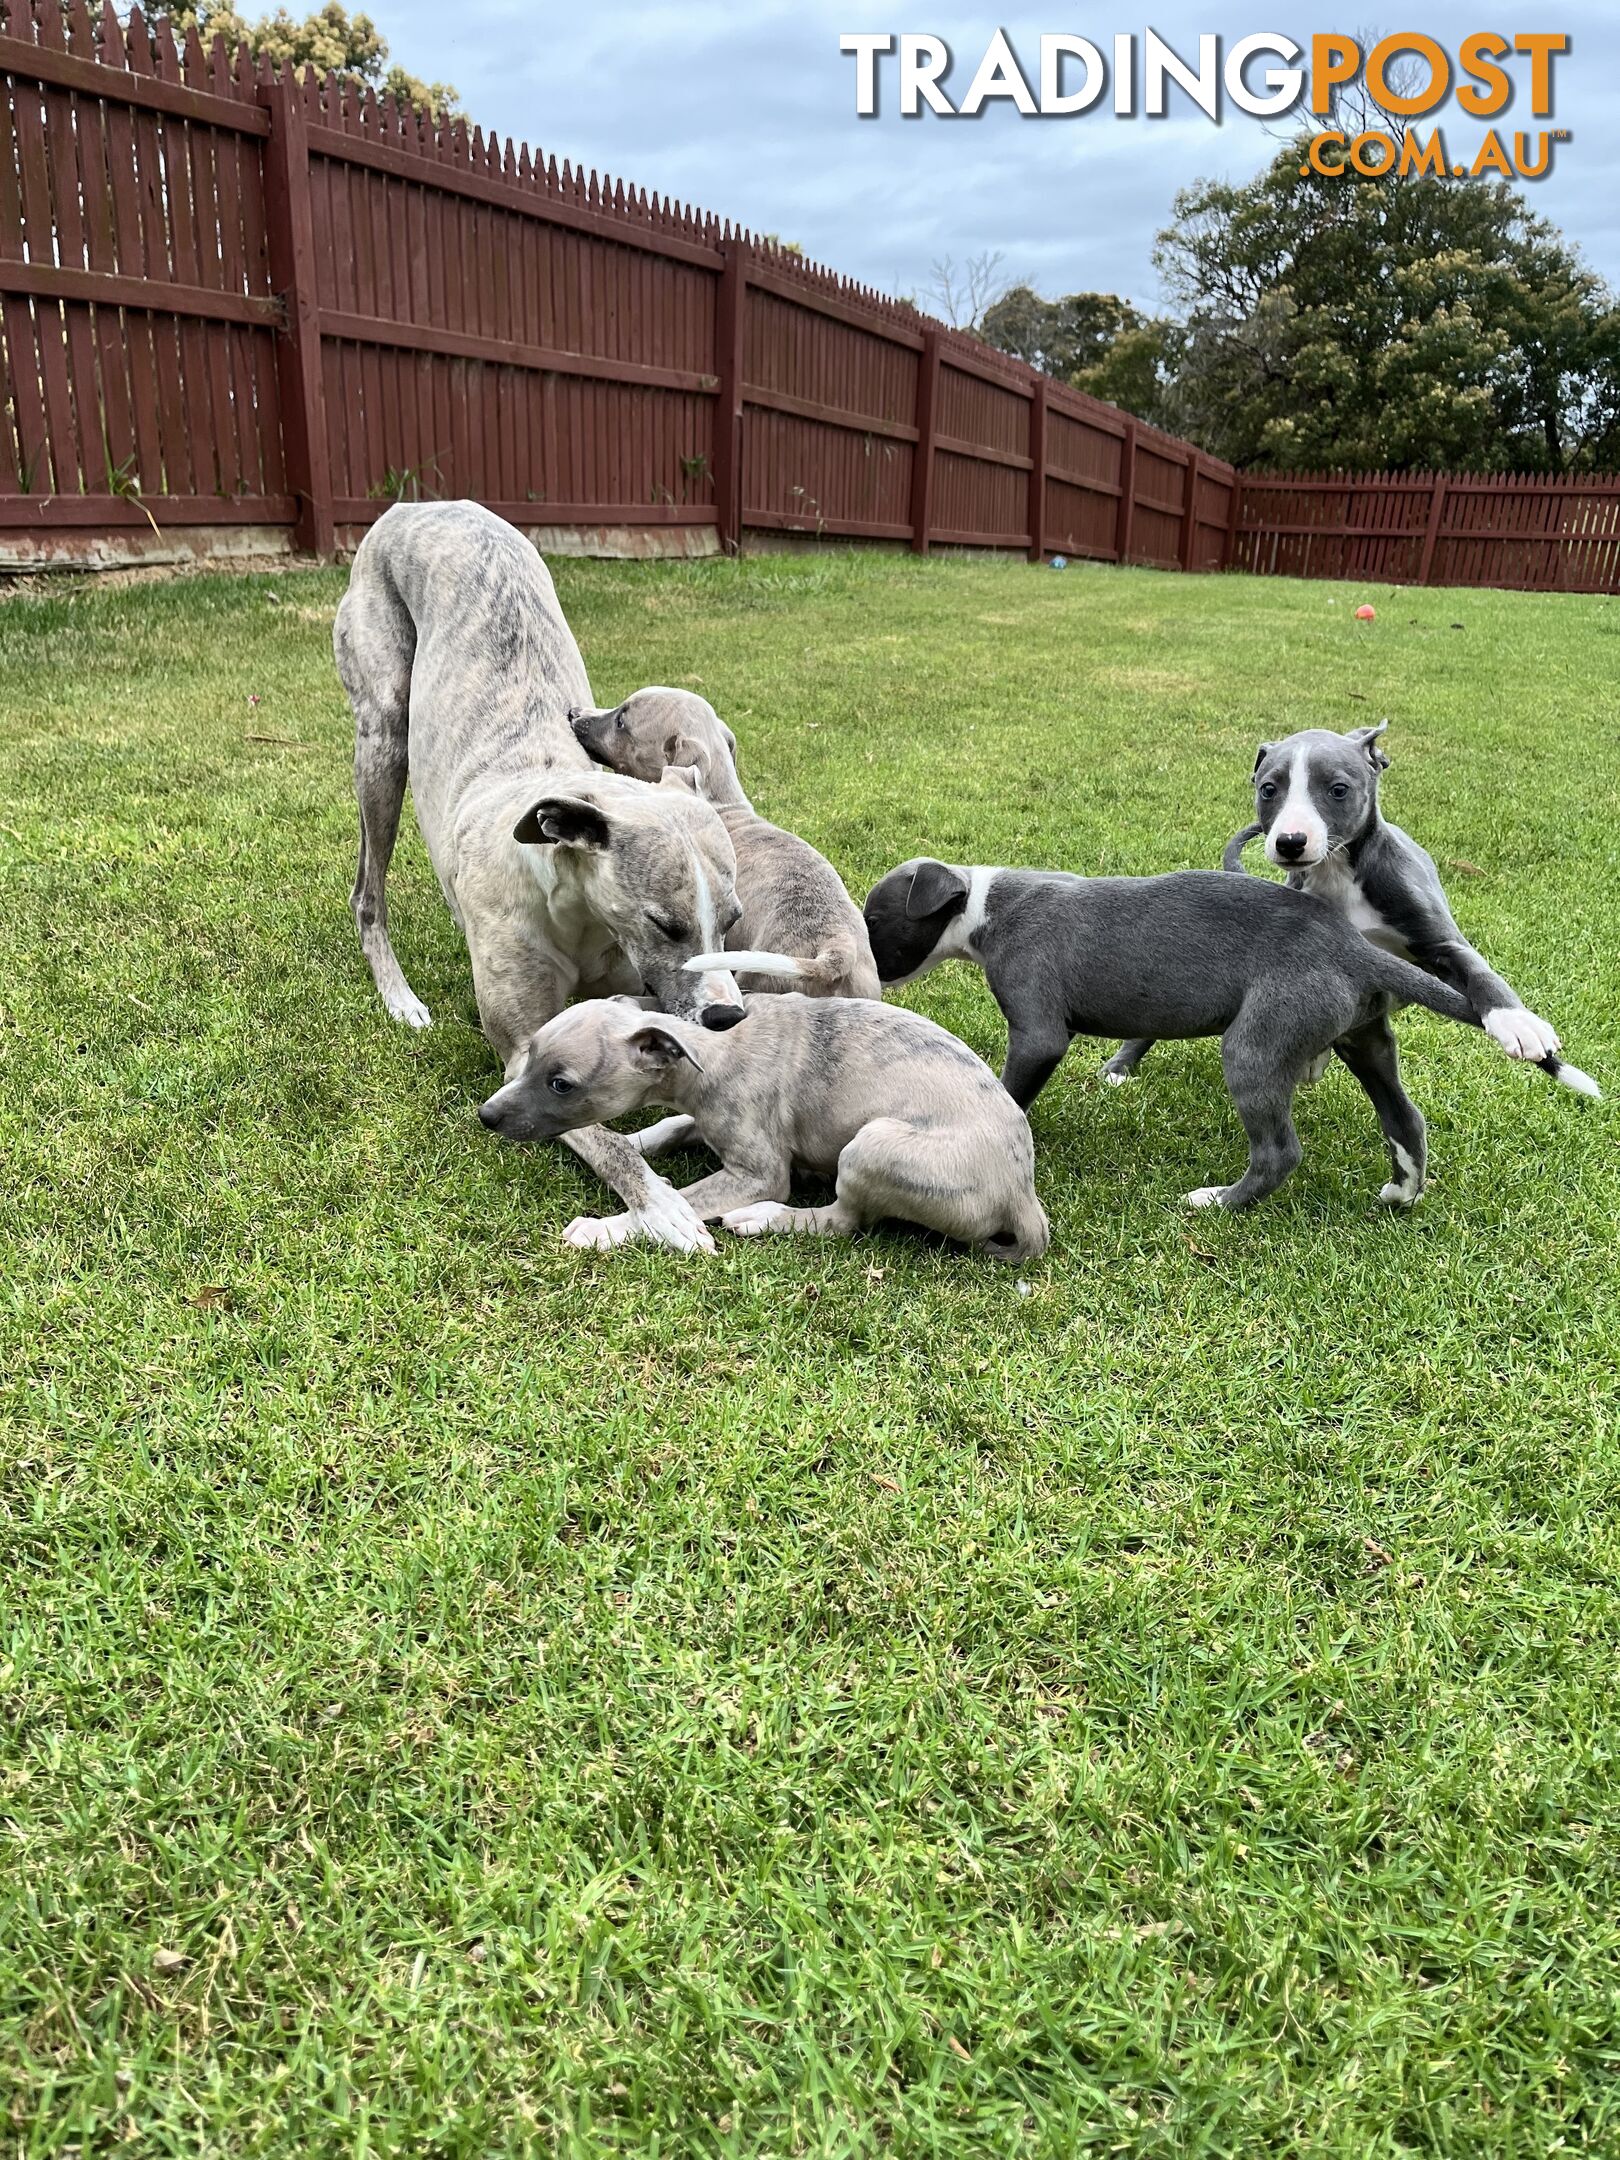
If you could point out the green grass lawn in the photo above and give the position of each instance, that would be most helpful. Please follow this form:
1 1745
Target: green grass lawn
461 1697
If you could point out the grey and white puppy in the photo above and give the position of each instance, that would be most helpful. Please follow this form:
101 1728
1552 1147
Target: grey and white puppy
793 900
913 1125
1316 802
1279 976
461 669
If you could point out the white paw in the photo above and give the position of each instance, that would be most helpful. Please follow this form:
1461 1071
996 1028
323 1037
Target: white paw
668 1220
753 1221
1206 1196
410 1010
1520 1033
1116 1079
1316 1068
1407 1189
597 1233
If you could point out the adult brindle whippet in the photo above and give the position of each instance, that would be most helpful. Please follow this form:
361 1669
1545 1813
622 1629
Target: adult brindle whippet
566 880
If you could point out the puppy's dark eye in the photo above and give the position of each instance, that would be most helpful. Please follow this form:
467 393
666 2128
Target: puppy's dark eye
560 1085
673 930
1339 790
1268 788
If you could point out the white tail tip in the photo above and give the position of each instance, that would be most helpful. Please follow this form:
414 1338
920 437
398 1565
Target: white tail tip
1571 1076
746 963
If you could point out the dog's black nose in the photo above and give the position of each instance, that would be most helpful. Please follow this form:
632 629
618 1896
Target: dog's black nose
721 1017
489 1115
1290 845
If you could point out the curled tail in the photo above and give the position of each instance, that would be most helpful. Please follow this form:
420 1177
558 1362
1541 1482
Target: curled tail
1232 855
1415 987
831 965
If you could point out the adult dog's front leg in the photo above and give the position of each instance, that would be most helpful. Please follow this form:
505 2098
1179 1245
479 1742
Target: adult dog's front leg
656 1214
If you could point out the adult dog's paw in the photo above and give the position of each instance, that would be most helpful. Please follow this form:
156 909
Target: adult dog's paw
408 1008
755 1220
1206 1196
1522 1034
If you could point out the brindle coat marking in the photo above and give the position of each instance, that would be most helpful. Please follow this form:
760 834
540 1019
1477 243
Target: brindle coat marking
565 880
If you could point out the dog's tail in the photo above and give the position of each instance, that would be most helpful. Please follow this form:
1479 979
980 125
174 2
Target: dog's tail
1413 987
1232 856
831 965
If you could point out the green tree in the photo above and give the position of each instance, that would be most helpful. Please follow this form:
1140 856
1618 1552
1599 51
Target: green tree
1096 341
330 40
1386 323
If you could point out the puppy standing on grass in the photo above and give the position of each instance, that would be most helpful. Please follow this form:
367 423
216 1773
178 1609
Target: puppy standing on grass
1280 977
793 901
915 1126
1316 801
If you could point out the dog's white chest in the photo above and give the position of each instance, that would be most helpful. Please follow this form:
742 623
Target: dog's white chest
1333 882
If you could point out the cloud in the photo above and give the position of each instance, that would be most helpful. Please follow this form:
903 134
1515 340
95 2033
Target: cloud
747 108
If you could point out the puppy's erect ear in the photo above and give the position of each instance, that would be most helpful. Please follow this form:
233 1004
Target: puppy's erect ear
655 1049
564 821
681 776
1262 754
1367 738
934 885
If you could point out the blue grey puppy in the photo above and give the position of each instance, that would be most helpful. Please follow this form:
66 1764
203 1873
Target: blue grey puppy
1280 977
1316 802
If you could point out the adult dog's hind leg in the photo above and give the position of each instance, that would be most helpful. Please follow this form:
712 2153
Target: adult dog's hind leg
374 643
1371 1055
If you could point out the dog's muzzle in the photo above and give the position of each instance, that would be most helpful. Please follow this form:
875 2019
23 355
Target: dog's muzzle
720 1017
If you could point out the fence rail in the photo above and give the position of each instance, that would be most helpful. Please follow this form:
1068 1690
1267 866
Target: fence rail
241 307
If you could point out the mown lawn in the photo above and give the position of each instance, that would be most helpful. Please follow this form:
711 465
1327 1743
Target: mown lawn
463 1698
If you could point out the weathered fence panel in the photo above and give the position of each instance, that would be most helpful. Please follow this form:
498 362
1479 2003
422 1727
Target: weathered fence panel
247 309
1521 532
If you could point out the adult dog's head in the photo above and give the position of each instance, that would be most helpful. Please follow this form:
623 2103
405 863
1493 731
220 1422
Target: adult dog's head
1315 792
654 868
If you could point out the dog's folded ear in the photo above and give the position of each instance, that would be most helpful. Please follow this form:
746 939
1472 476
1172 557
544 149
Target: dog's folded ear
934 885
680 749
563 821
681 776
655 1049
1367 738
1262 754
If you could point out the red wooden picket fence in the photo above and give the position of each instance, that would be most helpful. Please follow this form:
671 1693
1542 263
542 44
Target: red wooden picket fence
1526 532
244 309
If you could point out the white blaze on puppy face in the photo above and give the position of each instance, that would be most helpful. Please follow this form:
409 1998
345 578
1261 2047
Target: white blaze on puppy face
1297 813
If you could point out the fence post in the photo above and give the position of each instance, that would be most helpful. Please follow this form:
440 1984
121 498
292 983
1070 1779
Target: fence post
1037 472
1189 512
922 458
731 302
290 239
1126 514
1233 511
1437 508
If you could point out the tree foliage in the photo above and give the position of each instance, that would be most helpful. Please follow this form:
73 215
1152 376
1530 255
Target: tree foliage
330 40
1390 323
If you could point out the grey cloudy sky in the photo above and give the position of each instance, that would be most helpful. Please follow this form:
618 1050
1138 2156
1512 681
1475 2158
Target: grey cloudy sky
748 109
